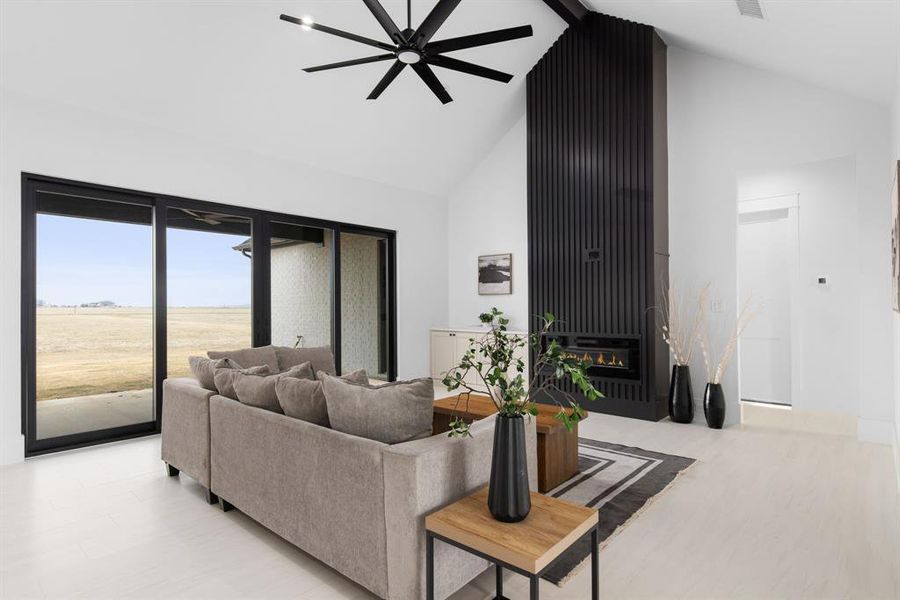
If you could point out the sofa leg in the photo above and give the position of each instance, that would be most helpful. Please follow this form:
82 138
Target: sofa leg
211 498
225 504
172 471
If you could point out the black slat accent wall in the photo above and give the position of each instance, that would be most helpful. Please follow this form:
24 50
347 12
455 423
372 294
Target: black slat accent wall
597 196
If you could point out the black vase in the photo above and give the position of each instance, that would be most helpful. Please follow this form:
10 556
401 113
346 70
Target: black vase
509 498
714 405
681 398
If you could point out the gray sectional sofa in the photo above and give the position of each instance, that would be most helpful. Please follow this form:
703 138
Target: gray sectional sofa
356 504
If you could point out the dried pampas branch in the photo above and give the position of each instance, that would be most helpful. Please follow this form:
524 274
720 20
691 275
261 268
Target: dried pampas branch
697 325
745 316
674 319
704 350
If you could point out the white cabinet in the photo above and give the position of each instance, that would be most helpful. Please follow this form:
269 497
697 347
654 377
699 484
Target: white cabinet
449 345
443 352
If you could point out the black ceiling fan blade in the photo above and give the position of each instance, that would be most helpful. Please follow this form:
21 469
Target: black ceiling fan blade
433 21
339 33
385 20
479 39
431 80
466 67
350 63
390 76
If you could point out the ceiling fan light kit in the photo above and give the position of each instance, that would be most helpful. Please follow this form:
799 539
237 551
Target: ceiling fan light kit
409 56
414 47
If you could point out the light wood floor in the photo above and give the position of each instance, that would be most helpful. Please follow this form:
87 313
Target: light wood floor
763 514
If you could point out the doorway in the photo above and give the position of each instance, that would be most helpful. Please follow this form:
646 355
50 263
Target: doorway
768 272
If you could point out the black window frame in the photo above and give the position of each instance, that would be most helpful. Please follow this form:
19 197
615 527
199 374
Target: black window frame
260 309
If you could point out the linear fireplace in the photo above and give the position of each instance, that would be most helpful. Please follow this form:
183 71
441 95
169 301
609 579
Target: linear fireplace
611 357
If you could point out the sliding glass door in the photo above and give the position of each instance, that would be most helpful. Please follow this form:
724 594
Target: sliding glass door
301 267
121 287
93 318
208 285
365 304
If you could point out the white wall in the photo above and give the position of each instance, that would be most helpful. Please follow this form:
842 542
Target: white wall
53 139
895 121
894 156
725 118
487 214
828 374
895 108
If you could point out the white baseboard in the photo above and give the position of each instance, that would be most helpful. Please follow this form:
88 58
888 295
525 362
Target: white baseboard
875 431
897 455
12 450
811 421
793 419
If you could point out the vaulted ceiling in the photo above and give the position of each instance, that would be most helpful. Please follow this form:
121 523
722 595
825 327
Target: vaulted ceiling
230 71
846 45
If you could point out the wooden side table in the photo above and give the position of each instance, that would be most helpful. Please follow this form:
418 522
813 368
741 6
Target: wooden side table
557 448
529 547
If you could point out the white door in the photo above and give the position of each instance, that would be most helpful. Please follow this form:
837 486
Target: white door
767 247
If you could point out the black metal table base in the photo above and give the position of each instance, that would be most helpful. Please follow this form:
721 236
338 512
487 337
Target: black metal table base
533 578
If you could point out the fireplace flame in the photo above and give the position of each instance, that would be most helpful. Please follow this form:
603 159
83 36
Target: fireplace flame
602 359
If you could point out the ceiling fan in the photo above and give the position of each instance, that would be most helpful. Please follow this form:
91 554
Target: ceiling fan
179 215
414 47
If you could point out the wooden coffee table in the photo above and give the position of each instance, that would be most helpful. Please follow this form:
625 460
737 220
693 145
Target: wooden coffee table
529 547
557 449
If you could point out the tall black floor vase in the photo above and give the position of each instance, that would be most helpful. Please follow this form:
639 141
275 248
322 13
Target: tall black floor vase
509 498
681 398
714 405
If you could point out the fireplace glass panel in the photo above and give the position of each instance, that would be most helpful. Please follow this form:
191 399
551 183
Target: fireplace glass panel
611 357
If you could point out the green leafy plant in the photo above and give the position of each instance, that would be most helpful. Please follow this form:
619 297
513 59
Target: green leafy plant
496 363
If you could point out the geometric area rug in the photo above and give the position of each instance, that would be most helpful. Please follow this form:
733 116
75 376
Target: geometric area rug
619 481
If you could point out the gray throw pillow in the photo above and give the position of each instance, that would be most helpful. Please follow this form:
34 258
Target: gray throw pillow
321 358
250 357
224 379
259 390
304 399
204 369
390 413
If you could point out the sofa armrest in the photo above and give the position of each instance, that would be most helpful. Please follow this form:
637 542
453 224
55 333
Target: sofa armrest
185 427
423 476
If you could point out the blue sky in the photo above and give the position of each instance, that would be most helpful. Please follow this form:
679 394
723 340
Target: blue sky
83 260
